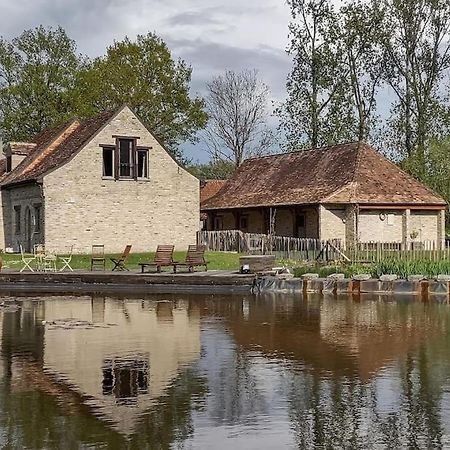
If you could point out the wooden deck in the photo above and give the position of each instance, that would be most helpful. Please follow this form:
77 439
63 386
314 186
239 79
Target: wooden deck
211 281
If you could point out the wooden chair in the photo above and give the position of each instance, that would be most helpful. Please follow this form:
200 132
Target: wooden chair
119 263
98 257
195 256
39 253
163 257
66 260
26 260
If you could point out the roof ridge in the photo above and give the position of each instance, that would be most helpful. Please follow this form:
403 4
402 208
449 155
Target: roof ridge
307 150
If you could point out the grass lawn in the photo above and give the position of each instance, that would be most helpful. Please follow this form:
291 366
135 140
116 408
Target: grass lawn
216 261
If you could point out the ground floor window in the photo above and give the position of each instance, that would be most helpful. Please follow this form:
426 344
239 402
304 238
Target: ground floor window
17 217
37 218
243 223
218 223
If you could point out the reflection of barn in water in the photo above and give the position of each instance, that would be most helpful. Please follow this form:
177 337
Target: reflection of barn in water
118 371
329 335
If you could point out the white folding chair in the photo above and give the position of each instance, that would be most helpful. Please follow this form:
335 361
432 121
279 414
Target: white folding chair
66 259
27 260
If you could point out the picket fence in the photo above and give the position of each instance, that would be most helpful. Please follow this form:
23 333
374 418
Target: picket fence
415 251
306 249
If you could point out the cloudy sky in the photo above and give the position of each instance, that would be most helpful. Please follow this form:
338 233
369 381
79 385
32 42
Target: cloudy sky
211 35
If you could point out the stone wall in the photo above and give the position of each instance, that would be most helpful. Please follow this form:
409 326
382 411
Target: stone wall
284 223
380 226
30 231
83 208
424 224
332 223
397 226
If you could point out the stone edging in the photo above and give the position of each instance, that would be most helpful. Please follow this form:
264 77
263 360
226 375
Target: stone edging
349 286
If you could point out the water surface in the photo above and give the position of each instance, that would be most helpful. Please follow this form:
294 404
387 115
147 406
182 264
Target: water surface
243 372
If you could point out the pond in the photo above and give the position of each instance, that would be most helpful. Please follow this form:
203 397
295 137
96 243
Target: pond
243 372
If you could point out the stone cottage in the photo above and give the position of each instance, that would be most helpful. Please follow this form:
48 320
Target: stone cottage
105 180
348 192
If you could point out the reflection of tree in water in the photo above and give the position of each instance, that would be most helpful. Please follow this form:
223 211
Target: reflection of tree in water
170 420
236 395
343 412
338 400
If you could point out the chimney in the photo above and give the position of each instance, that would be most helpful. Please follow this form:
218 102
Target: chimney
16 152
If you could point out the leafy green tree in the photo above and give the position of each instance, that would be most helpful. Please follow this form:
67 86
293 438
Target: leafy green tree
38 72
143 74
417 45
437 167
214 170
359 35
318 109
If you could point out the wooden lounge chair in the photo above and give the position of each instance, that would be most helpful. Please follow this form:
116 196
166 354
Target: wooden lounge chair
98 257
195 256
119 263
163 257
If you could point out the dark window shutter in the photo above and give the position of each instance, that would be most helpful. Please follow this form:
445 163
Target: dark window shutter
116 160
134 171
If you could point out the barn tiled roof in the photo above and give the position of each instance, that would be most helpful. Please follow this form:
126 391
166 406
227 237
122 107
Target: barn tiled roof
54 147
209 188
345 173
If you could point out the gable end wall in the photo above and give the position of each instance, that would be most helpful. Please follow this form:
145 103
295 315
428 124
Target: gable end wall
83 208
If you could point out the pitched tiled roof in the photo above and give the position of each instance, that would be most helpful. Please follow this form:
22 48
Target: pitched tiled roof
346 173
209 188
54 147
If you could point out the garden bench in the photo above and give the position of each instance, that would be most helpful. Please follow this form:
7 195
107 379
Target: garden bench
195 257
163 258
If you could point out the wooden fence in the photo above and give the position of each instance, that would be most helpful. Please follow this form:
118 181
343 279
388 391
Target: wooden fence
314 249
378 251
282 246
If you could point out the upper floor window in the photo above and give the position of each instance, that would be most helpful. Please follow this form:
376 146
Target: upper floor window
125 160
108 161
142 163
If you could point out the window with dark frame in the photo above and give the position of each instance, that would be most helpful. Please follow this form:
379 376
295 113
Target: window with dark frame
142 163
218 223
108 161
243 225
37 218
17 217
126 158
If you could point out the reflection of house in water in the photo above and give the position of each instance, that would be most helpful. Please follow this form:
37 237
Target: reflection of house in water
335 336
122 369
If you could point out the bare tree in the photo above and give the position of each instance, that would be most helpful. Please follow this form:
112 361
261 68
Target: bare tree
237 106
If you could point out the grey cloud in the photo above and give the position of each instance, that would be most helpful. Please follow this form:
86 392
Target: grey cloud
208 59
192 18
